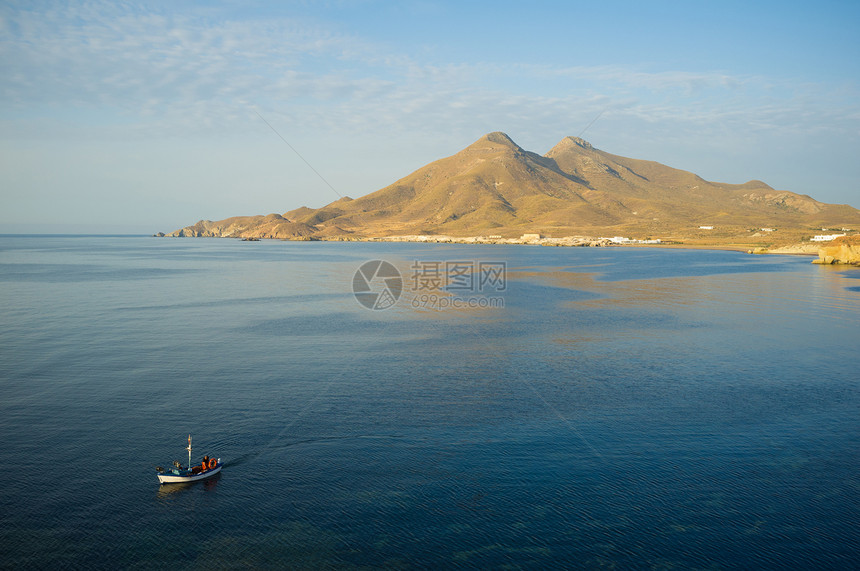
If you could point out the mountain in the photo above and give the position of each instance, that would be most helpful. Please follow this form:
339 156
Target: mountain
495 187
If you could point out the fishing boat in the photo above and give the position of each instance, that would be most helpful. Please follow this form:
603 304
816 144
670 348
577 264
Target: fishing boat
207 468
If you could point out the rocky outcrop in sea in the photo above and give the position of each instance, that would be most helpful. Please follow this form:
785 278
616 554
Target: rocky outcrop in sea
842 250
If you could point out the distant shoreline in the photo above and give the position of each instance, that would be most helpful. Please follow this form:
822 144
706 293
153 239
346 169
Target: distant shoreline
798 249
802 249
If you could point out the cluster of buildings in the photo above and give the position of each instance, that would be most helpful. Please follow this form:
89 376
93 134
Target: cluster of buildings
760 229
824 237
623 240
816 238
828 237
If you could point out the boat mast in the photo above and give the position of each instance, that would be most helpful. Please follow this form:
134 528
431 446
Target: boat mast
189 451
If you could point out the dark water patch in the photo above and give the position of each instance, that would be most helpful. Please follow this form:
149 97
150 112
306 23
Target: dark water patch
327 324
641 263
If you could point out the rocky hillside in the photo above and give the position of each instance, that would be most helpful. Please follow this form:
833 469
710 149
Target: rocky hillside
271 226
494 187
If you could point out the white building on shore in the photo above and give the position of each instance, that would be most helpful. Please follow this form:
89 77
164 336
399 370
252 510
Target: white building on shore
623 240
824 237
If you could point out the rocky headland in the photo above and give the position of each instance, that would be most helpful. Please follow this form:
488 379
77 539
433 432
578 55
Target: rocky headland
842 250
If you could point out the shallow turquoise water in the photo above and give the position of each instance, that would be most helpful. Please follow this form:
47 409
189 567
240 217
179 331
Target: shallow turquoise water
628 408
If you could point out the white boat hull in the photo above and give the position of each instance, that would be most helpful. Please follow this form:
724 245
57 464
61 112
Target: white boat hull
174 477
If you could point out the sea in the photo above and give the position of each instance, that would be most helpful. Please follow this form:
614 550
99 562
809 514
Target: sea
425 406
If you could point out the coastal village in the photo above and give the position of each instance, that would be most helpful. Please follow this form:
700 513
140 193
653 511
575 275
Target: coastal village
830 248
533 239
837 248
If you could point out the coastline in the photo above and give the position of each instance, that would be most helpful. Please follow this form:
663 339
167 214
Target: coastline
793 249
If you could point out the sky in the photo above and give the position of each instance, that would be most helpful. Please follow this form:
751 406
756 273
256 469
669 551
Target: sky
128 117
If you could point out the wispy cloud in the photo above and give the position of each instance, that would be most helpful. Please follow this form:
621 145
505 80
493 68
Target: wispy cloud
162 71
116 71
107 55
658 81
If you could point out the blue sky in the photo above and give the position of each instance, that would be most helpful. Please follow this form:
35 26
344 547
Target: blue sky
144 117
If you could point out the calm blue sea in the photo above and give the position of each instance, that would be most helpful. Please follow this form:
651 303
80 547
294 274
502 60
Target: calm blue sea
611 408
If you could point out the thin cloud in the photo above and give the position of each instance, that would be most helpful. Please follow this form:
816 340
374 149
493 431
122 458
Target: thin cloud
81 55
171 71
105 71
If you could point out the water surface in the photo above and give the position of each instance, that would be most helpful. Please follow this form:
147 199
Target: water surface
625 408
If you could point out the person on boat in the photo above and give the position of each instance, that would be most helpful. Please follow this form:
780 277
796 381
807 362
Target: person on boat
205 462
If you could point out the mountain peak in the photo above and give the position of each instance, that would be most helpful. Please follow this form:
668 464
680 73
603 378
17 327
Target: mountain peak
500 139
580 142
755 183
495 141
570 144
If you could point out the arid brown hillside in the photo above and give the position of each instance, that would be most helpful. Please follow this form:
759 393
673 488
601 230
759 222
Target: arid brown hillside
494 187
